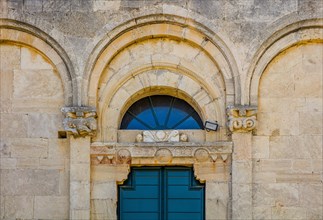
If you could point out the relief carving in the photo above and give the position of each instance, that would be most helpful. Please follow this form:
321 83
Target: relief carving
80 121
242 118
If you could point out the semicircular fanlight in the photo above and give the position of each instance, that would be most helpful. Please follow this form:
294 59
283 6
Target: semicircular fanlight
161 112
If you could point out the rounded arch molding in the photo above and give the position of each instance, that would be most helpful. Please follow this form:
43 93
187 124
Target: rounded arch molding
131 89
22 33
293 34
161 26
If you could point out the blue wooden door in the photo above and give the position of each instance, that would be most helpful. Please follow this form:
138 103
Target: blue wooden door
161 193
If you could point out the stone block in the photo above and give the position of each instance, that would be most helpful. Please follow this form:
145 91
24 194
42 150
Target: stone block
242 146
42 125
6 87
80 214
33 6
80 172
57 5
217 200
30 84
104 190
64 183
106 173
8 163
51 207
102 209
260 147
311 195
261 212
80 150
264 177
268 194
29 147
80 198
242 172
58 148
31 59
30 163
9 57
296 213
310 123
52 163
16 125
276 165
18 207
298 178
241 201
29 182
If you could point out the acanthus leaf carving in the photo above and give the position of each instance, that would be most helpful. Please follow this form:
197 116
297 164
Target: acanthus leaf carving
80 121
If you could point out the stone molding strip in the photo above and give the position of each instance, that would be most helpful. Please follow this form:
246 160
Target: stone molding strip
179 153
242 118
80 121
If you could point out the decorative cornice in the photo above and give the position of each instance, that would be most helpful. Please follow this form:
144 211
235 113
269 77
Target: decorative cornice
242 118
80 121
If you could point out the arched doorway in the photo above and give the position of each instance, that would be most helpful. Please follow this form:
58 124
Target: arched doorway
161 192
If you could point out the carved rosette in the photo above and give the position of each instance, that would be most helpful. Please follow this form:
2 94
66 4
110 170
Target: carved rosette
80 121
242 118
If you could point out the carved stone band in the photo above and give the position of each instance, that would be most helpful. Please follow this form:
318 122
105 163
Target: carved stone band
80 121
241 118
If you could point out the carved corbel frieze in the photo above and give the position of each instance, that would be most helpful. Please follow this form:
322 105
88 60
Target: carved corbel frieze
242 118
80 121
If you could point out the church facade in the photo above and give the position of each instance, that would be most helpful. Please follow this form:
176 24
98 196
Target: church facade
114 109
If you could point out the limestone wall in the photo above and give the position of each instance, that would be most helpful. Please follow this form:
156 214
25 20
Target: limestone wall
287 149
34 162
254 66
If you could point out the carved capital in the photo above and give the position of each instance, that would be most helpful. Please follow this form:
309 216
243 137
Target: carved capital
80 121
242 118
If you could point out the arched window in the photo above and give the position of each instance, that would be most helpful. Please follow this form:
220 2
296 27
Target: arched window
161 112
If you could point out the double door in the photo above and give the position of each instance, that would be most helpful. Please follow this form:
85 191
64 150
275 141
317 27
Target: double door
161 193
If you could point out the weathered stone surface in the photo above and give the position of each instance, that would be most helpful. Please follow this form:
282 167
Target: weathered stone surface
35 84
13 125
103 209
18 207
217 200
286 194
29 182
80 121
51 207
29 147
104 190
81 195
31 59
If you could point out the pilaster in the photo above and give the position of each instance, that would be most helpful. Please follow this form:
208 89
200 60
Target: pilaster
80 125
241 122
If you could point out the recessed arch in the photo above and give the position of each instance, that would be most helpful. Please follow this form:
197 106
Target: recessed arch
25 34
155 26
291 35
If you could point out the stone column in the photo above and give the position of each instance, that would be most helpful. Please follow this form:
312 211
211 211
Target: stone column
242 120
80 124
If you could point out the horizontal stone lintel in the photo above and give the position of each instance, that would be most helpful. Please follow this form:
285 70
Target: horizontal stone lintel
121 153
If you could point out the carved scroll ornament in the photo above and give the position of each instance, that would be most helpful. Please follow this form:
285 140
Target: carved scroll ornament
242 118
80 121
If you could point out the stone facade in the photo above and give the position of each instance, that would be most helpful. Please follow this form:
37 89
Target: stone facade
69 70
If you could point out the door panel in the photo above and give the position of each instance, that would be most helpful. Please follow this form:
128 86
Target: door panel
161 193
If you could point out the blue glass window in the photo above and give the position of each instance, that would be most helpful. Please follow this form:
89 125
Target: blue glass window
160 112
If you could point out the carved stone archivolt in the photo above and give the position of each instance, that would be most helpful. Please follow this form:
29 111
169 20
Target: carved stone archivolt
242 118
80 121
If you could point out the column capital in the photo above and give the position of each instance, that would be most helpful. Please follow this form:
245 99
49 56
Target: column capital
80 121
242 118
